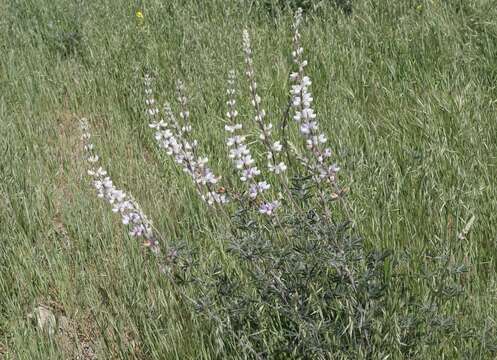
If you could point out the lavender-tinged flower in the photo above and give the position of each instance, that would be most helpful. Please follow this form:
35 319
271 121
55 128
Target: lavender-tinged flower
122 203
257 188
305 115
249 173
269 208
265 128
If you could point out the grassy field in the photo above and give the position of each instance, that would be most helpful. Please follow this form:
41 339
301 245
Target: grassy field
406 91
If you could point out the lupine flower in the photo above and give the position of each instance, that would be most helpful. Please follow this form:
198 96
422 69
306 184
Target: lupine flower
272 148
305 115
269 208
240 153
122 203
258 188
174 138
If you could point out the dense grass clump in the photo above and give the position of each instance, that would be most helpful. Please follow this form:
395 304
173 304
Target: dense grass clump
396 260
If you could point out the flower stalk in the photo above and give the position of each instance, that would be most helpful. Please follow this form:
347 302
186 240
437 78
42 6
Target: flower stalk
241 156
303 113
273 148
122 203
175 138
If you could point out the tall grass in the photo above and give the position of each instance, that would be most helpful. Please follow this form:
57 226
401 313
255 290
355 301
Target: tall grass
406 91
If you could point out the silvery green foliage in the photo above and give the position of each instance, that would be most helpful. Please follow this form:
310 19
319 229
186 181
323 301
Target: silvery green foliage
311 294
320 293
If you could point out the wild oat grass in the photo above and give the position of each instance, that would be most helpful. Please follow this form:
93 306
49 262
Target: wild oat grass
405 91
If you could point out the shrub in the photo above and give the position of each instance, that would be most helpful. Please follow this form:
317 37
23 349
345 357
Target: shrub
313 294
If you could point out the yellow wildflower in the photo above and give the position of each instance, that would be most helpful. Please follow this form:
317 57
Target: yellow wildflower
139 17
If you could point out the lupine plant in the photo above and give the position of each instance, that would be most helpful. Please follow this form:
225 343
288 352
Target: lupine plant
305 279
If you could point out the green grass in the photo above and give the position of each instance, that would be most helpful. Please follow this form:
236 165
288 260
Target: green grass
406 90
